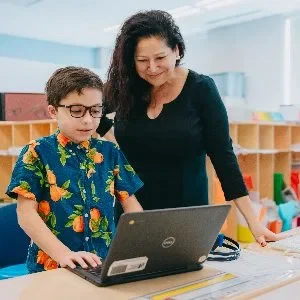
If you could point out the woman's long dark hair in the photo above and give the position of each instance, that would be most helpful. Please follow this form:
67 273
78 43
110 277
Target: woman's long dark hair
124 86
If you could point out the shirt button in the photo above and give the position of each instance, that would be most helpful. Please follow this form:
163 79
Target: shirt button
86 215
70 150
87 238
84 191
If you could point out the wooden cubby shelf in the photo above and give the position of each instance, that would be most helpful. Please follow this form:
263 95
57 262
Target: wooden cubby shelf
18 134
264 149
269 148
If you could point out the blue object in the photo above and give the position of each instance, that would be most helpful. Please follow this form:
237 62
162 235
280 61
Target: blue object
276 116
13 244
224 249
219 241
13 271
287 211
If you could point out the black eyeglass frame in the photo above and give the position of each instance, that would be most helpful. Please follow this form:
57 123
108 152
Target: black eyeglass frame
86 108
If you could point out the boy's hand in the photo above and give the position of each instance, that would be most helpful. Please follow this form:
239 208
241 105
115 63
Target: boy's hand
82 258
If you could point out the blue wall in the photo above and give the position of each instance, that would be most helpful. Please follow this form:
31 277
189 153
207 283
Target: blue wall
51 52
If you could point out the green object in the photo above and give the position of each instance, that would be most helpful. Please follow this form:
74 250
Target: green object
278 187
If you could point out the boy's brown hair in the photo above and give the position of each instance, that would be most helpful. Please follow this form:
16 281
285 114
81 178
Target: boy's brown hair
70 79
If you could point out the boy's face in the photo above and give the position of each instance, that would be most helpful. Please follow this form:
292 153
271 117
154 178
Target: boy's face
78 129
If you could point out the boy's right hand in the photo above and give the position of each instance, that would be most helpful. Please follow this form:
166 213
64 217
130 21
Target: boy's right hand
82 258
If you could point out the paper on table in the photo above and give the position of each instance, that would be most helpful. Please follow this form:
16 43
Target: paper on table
253 263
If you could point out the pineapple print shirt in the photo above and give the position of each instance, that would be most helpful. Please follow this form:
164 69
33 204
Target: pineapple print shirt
75 186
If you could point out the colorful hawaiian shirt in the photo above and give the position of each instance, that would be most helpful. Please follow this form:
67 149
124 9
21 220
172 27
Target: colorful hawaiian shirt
75 186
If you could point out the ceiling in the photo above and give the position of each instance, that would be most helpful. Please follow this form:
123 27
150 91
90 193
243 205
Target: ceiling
83 22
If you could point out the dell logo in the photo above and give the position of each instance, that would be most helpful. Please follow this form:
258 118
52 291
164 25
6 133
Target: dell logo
168 242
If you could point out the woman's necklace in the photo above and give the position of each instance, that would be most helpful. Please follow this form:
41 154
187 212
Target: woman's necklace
154 110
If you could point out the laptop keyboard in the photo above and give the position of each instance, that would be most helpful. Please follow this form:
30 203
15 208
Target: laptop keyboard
95 271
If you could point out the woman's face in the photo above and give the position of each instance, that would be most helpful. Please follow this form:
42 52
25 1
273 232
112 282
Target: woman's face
154 60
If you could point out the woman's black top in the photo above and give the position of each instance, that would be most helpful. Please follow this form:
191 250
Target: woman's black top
168 153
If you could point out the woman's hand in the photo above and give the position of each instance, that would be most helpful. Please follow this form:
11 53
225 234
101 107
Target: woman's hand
263 235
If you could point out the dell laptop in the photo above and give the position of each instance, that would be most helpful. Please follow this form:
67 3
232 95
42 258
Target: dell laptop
156 243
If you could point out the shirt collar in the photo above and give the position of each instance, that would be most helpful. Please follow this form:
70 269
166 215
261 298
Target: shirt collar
64 141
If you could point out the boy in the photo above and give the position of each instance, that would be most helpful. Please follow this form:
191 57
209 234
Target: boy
65 183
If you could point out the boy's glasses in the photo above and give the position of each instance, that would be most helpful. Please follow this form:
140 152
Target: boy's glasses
78 111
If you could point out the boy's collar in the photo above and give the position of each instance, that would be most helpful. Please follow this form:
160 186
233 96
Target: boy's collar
63 141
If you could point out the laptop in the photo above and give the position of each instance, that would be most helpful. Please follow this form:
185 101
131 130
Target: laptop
157 243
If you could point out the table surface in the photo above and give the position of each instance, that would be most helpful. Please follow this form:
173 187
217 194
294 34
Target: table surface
63 284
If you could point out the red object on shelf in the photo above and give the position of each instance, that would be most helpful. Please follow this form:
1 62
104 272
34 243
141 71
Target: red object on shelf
248 182
275 226
296 222
295 182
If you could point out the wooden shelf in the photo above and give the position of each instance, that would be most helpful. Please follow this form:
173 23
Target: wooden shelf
6 165
248 136
18 134
266 163
53 127
6 136
295 134
266 137
268 145
233 131
266 149
249 166
282 164
282 137
39 130
21 134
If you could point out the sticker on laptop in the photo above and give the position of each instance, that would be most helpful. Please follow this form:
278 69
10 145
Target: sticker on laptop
127 266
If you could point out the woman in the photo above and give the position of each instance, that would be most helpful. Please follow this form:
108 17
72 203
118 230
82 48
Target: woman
168 118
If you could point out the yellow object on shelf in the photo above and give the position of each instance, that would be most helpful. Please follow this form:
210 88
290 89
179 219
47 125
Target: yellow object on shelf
244 234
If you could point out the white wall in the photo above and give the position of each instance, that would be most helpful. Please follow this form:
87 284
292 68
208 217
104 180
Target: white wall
255 48
26 76
295 60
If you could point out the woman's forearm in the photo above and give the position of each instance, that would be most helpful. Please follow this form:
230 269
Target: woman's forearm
245 207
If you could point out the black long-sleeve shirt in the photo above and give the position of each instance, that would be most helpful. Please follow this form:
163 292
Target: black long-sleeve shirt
168 152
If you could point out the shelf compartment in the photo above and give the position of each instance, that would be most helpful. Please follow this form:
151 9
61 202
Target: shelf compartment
21 134
266 171
6 136
233 131
295 156
266 137
248 136
282 137
39 130
53 127
249 166
6 165
282 164
295 134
